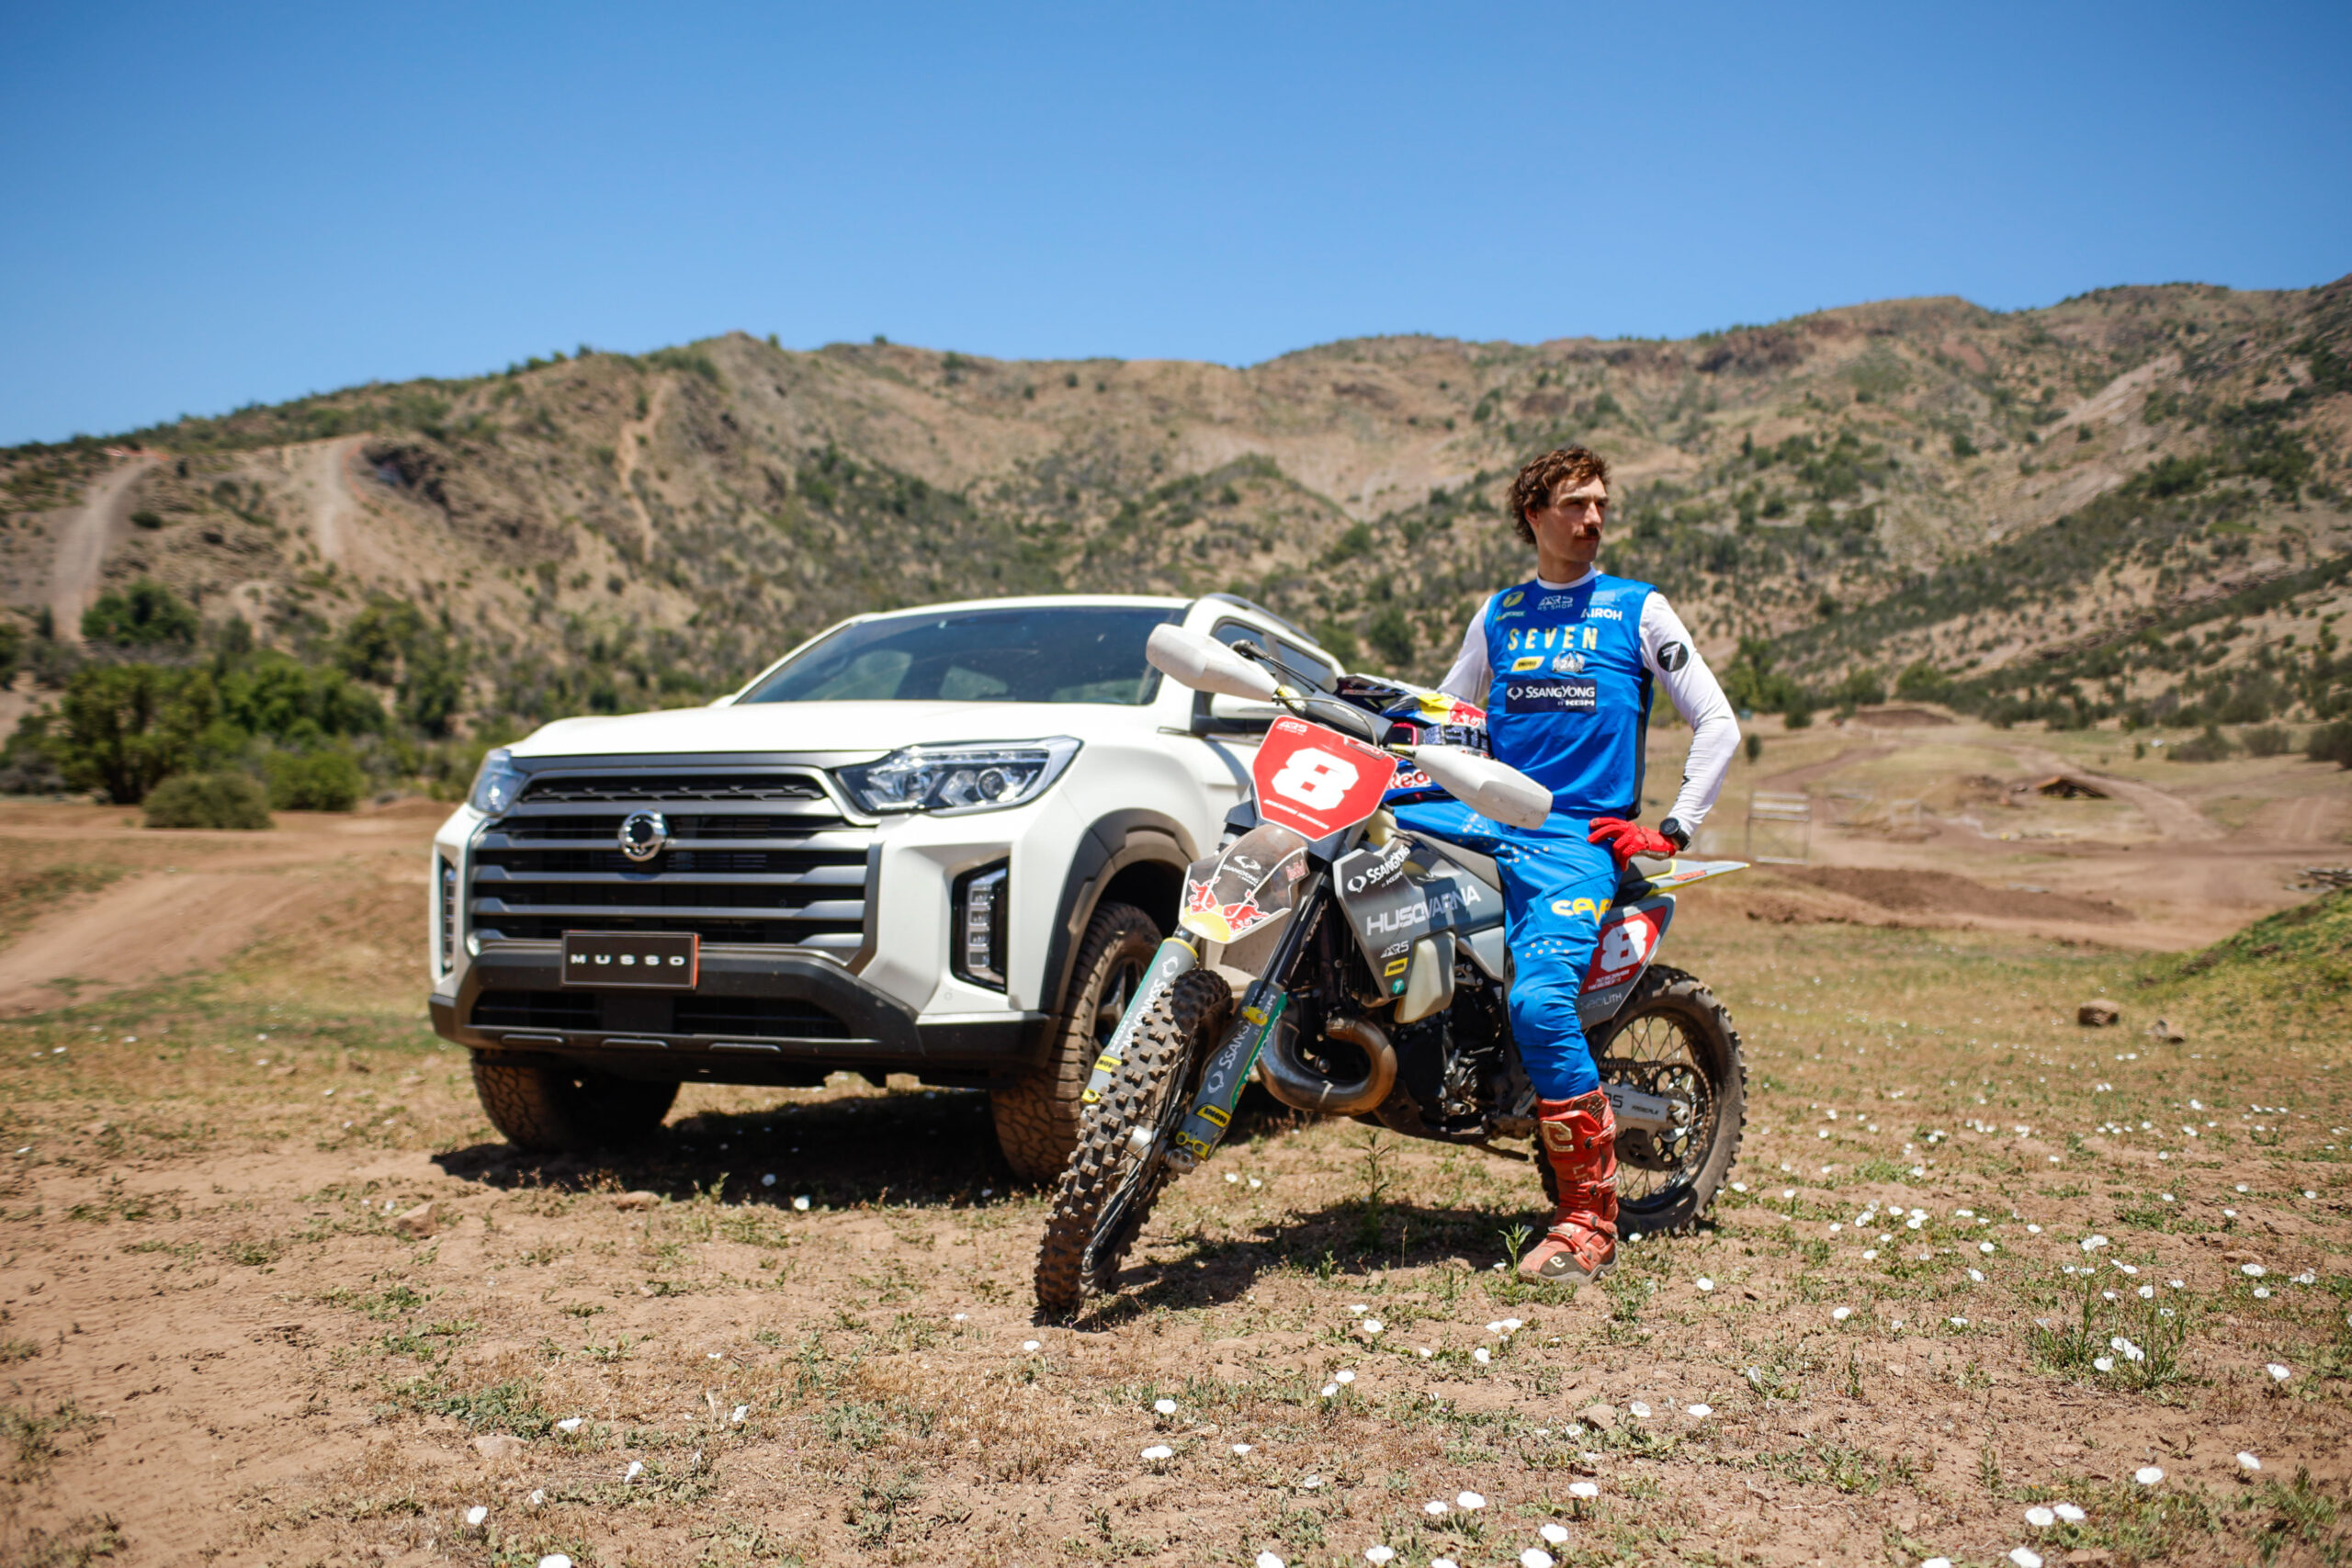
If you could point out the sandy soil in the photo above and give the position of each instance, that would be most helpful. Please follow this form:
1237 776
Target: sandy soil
272 1291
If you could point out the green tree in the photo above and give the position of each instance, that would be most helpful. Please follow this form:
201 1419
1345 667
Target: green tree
145 614
125 727
318 781
208 800
12 648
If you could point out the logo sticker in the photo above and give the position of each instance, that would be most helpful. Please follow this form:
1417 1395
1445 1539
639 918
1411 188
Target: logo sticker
1568 664
1673 657
1521 665
1558 695
643 834
1513 597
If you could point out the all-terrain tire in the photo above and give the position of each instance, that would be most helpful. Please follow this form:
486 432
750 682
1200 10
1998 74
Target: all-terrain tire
1036 1119
1084 1242
1669 997
550 1107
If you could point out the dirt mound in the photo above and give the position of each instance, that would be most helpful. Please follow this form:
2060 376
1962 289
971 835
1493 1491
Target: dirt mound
1900 717
1934 893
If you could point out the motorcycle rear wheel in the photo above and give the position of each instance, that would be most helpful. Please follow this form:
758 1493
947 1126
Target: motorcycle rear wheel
1672 1037
1108 1188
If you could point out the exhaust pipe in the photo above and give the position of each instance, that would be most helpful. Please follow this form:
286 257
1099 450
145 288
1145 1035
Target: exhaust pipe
1292 1081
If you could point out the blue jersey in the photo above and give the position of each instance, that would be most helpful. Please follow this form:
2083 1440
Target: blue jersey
1570 698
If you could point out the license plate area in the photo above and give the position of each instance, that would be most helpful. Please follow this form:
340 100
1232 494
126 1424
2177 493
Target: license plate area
632 960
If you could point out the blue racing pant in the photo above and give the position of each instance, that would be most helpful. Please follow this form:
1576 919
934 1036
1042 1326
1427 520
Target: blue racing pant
1555 889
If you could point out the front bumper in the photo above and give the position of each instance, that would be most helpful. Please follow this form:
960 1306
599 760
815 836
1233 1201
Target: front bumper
756 1016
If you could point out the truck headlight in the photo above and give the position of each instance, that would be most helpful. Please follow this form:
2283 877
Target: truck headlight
960 778
496 783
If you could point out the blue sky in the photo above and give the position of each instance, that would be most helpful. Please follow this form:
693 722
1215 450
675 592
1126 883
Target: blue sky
212 205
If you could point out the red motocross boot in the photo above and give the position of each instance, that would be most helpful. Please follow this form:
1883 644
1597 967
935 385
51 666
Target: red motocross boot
1580 1137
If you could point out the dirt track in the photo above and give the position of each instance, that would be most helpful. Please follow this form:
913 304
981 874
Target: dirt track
230 1340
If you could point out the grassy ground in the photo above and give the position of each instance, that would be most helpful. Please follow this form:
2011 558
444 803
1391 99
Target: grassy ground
224 1340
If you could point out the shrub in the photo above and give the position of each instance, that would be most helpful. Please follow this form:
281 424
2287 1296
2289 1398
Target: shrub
2211 747
145 614
125 728
12 648
208 800
2268 740
316 780
2330 743
1962 447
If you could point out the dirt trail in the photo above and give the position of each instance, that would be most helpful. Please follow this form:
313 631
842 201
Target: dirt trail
143 929
2174 817
82 544
633 432
1797 779
330 500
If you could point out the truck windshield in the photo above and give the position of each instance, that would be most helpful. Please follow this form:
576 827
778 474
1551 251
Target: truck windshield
1038 654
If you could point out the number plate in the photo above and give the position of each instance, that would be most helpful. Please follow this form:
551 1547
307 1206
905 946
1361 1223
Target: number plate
641 961
1315 781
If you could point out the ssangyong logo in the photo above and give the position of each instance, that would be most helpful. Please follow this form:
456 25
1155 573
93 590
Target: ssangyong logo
643 834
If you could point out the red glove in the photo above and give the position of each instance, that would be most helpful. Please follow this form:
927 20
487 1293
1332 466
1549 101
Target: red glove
1625 839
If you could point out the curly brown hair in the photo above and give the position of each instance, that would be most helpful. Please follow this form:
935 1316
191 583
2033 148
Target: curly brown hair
1532 489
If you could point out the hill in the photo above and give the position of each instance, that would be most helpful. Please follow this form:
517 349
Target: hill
2131 502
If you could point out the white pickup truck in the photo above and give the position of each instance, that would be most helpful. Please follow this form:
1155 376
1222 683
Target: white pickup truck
943 841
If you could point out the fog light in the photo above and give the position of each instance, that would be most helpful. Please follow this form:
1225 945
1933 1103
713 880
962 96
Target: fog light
448 914
979 926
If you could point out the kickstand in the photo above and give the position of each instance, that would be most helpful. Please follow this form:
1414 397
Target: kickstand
1505 1154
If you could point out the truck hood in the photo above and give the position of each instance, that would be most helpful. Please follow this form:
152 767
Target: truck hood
854 730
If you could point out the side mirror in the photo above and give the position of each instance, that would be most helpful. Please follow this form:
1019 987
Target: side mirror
1488 787
1207 665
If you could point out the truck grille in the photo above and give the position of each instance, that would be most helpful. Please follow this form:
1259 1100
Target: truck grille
760 856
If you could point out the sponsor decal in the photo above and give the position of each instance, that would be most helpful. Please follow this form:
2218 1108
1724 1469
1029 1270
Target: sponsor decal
1532 661
1673 656
1602 613
1220 922
1448 710
1605 595
1315 781
1513 597
1554 601
1392 950
1558 695
1357 873
1570 908
1568 664
1511 640
1397 968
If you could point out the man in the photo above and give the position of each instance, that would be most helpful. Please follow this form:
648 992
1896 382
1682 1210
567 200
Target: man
1563 666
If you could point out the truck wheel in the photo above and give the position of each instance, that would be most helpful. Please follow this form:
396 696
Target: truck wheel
1036 1119
558 1108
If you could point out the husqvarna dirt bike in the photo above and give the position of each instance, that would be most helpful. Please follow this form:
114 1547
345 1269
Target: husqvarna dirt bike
1370 970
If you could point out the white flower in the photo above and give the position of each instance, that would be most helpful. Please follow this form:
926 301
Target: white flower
1371 1325
1377 1554
1582 1489
475 1515
1638 1408
1165 1406
1230 1176
1937 1563
1443 1562
2103 1363
1240 1449
1424 1351
2247 1461
1267 1558
569 1424
1359 1309
2033 1230
741 1411
2093 1243
1535 1557
2147 1475
1959 1323
635 1468
555 1560
1702 1410
2026 1557
1556 1534
1343 1377
1158 1450
1705 1283
1470 1500
1330 1391
2069 1514
801 1204
1839 1314
1985 1247
1029 1344
1976 1276
2041 1518
1255 1184
1482 1355
2252 1271
2279 1372
1435 1506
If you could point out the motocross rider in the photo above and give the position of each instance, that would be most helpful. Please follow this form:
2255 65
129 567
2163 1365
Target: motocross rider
1563 665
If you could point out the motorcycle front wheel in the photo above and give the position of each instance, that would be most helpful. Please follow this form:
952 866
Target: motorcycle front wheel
1114 1177
1672 1039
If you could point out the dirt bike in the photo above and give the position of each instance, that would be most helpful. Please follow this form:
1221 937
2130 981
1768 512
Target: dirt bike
1357 969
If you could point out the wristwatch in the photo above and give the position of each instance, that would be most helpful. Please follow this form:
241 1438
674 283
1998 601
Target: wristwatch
1675 832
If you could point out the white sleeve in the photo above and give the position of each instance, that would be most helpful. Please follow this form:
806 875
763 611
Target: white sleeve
1673 658
1470 678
